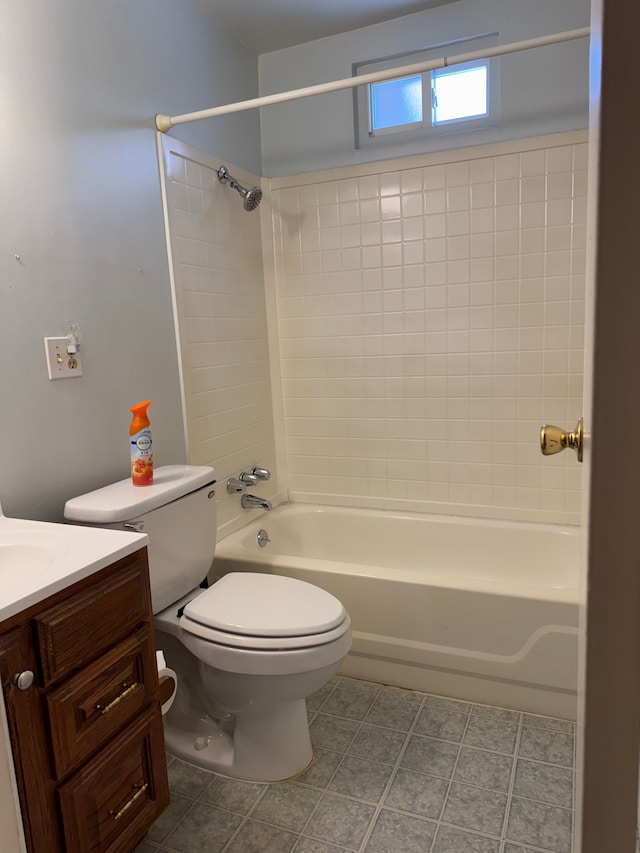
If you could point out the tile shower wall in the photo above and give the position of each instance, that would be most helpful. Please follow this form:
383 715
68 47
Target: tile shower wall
430 319
216 254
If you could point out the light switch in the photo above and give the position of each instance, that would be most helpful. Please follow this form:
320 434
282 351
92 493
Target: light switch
60 364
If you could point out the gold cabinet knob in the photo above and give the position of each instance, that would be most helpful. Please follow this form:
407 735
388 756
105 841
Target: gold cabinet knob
553 439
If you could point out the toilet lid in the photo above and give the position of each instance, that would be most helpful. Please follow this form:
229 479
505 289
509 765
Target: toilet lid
259 605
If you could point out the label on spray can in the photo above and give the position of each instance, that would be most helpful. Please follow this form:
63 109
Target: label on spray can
142 458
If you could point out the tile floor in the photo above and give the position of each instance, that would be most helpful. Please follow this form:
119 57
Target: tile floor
396 770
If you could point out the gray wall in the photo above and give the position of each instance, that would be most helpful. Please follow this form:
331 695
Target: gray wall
81 207
317 133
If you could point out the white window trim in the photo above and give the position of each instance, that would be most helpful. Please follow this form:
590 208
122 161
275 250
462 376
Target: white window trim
416 131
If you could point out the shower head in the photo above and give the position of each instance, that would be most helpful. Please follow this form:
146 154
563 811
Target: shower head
251 197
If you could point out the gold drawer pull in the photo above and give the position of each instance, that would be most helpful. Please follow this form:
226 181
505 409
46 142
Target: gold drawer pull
118 699
129 803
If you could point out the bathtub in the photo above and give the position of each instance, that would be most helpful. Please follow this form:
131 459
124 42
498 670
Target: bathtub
480 610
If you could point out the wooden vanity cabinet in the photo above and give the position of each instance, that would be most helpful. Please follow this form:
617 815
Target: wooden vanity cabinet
80 685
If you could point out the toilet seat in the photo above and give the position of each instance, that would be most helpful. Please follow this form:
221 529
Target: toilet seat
250 610
266 644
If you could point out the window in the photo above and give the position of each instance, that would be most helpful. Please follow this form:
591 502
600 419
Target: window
396 102
460 92
446 100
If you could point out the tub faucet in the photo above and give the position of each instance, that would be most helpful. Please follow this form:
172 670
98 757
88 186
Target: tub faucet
252 501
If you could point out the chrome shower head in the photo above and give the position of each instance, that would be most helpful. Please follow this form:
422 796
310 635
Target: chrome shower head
251 197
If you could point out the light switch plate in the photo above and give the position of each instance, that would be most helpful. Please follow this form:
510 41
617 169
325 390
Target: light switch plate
60 364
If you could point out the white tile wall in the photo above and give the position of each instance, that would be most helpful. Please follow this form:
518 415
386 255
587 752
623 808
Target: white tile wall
430 319
218 277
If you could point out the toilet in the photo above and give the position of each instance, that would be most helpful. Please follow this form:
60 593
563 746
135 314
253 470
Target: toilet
247 650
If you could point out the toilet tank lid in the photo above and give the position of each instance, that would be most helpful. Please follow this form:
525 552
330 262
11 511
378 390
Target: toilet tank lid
122 501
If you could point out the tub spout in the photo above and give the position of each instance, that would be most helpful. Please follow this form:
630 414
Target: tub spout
252 501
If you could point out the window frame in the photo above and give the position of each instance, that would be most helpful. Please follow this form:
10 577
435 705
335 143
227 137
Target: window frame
366 137
457 69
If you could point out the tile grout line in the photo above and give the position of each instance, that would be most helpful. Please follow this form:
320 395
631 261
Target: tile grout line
321 797
512 780
343 754
393 775
450 782
298 834
267 787
245 818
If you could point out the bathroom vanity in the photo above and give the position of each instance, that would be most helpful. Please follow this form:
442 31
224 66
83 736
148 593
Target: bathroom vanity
81 713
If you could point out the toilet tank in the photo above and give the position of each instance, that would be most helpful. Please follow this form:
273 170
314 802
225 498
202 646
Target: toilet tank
178 512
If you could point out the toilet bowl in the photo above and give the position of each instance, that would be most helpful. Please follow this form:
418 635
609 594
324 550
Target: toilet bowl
247 650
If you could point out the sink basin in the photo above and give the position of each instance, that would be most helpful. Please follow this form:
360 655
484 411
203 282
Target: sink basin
25 554
41 558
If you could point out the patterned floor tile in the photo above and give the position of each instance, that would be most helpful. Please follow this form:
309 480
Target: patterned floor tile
394 770
234 795
393 831
312 845
547 745
187 780
486 769
426 755
377 744
475 808
361 686
544 782
340 821
441 723
287 805
392 713
361 779
333 732
489 733
169 819
450 840
566 726
255 837
496 713
203 828
540 825
320 773
417 793
348 703
446 704
314 702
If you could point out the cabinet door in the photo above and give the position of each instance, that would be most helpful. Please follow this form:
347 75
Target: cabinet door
28 733
110 803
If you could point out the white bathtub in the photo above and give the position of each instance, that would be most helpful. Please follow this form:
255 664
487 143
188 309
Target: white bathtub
480 610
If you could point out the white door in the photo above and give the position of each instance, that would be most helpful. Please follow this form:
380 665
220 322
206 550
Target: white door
609 721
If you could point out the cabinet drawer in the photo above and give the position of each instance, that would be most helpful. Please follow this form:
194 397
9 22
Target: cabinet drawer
109 804
77 630
90 707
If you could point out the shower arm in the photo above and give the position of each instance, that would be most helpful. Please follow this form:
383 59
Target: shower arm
164 123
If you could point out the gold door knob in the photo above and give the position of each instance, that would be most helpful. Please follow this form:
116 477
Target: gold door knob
553 439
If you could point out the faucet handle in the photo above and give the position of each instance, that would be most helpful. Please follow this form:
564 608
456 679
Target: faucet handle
261 473
234 486
248 478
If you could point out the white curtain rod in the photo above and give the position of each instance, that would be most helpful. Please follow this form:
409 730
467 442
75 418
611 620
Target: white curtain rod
165 123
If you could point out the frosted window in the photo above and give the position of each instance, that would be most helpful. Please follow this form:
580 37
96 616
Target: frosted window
459 92
396 102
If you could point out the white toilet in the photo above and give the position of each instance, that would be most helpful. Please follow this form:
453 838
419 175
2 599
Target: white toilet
248 650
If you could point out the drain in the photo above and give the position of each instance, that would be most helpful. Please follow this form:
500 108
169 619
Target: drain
262 538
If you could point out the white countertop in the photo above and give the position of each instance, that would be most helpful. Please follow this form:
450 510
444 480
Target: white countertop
38 558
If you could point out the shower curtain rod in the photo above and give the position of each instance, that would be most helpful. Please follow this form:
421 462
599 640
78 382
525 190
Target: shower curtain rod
165 123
